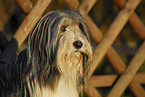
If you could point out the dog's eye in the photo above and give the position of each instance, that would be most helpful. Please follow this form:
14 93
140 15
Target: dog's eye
81 27
63 28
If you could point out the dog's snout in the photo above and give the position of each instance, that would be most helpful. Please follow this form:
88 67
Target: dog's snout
77 44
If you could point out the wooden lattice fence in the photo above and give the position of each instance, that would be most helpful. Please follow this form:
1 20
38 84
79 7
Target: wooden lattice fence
127 73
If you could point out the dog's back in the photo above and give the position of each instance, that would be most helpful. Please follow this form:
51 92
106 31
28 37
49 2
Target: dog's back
12 76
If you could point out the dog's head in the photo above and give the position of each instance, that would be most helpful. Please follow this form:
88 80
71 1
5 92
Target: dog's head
60 43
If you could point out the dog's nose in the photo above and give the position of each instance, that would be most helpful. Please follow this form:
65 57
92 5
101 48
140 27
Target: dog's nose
77 44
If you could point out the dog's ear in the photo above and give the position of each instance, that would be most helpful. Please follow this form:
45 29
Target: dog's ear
39 37
42 49
42 41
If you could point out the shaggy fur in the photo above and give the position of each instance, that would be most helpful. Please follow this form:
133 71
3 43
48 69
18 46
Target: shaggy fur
56 61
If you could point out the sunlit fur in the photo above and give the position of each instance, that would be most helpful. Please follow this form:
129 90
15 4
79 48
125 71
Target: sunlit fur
50 66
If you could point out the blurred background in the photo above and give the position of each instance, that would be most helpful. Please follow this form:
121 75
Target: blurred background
103 13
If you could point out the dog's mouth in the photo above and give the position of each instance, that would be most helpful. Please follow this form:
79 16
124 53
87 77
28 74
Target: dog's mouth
76 61
75 57
79 60
78 56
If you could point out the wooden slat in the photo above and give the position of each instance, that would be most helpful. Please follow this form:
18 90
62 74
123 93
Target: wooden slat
138 25
26 5
115 60
102 80
32 18
137 89
120 3
72 4
86 5
112 33
134 20
140 78
127 76
91 91
95 32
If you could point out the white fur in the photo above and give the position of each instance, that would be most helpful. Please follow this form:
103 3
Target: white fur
66 88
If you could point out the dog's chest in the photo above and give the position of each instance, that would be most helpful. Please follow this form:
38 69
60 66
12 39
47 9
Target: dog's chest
65 88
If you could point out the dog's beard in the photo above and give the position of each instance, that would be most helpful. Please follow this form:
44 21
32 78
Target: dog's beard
75 59
71 62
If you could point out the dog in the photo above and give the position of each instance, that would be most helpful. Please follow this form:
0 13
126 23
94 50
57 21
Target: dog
56 61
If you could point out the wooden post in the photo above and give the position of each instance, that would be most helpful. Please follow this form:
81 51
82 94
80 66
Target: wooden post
29 22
